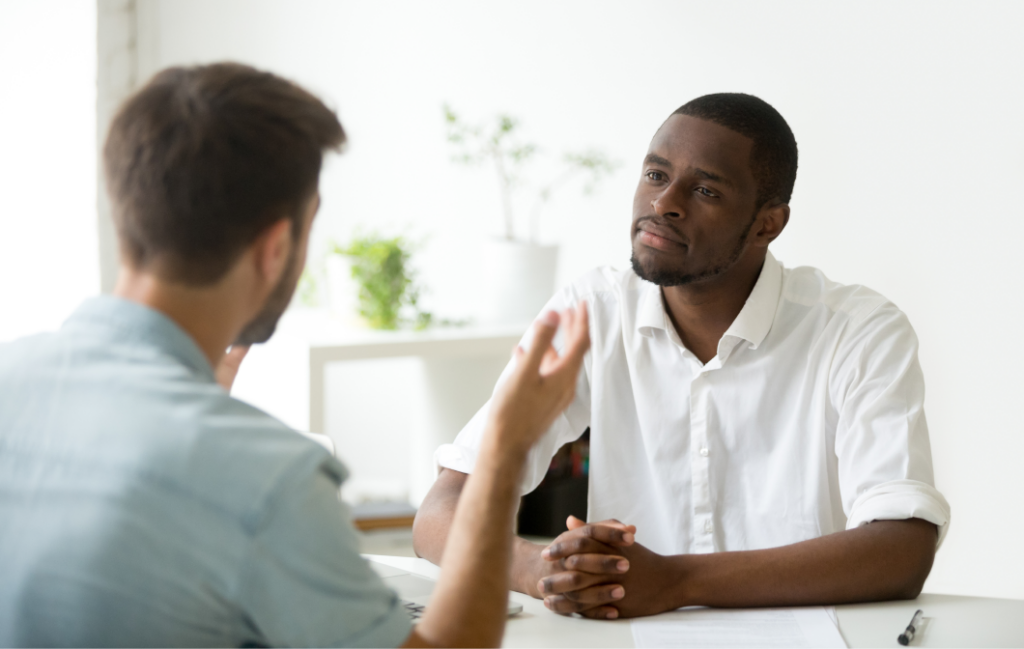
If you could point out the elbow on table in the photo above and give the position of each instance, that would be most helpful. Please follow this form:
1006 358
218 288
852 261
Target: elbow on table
917 561
435 515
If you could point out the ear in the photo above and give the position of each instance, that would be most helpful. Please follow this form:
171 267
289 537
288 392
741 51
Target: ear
772 220
272 250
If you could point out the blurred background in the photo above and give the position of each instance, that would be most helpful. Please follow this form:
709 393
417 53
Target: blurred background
907 115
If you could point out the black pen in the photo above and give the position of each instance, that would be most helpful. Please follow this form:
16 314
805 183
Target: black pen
907 636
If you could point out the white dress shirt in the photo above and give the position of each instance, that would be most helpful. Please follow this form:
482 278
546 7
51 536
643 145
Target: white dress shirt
809 420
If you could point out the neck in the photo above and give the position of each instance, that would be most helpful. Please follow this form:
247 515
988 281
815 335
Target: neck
204 313
701 312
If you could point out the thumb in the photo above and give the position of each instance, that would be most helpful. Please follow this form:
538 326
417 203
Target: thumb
573 523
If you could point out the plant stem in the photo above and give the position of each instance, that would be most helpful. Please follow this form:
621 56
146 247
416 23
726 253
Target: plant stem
506 190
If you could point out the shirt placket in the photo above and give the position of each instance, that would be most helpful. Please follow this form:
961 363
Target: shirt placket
702 540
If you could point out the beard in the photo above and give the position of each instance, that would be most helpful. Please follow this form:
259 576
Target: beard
675 277
262 327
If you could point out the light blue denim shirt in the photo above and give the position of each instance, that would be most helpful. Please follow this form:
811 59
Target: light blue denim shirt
141 505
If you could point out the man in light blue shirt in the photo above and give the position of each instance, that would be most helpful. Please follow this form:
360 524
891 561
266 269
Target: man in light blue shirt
161 507
141 505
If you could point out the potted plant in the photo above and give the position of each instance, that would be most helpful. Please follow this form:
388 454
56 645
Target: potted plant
519 270
372 276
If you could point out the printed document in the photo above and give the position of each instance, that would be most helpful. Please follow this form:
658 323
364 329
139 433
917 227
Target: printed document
768 627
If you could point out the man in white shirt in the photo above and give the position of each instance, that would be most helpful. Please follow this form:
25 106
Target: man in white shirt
760 428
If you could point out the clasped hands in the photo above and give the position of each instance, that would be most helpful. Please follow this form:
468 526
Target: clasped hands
599 571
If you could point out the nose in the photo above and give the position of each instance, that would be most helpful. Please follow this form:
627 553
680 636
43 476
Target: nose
667 203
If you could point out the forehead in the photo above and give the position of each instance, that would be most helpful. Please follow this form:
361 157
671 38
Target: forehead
689 142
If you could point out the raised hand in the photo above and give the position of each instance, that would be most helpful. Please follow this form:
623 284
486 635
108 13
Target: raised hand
543 383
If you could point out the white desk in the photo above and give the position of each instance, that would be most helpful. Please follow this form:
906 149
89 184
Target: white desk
953 621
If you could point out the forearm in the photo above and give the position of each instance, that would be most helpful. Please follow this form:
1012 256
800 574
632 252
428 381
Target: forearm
881 561
480 540
433 526
435 516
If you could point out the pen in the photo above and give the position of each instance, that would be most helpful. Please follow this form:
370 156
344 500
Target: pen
907 636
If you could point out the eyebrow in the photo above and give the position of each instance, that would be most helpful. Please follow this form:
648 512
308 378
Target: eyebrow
703 173
654 158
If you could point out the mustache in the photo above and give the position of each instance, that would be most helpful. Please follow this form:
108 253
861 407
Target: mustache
660 222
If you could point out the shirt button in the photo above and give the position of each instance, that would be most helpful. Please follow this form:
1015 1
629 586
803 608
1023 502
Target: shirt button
704 451
708 526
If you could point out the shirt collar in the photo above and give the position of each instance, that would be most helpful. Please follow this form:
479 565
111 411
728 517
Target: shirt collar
752 324
126 322
757 315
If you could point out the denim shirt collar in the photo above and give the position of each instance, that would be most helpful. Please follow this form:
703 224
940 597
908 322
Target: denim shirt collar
127 322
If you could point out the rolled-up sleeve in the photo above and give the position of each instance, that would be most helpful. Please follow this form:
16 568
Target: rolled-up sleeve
882 445
461 454
304 582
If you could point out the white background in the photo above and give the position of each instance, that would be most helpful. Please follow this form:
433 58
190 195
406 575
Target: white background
48 238
908 118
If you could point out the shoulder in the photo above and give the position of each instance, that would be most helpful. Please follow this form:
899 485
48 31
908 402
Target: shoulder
133 415
810 287
853 313
241 458
607 290
28 352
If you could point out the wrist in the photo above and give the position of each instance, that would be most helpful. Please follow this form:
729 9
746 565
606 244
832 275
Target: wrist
503 447
527 567
685 580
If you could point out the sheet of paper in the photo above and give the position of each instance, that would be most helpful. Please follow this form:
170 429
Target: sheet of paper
705 627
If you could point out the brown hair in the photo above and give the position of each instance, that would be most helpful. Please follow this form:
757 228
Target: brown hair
202 159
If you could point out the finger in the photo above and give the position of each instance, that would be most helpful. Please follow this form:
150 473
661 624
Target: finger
549 361
577 343
570 544
574 523
611 522
601 613
595 564
569 581
574 542
582 600
544 330
578 336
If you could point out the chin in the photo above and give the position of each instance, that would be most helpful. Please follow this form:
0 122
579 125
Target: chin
661 274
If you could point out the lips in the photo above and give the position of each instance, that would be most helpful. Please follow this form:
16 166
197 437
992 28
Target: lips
659 237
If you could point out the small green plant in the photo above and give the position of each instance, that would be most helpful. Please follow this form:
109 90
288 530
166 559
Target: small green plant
387 286
499 145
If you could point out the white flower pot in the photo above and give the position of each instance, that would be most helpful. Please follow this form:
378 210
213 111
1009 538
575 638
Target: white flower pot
520 279
342 290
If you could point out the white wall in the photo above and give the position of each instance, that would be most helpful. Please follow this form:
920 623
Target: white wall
912 156
48 249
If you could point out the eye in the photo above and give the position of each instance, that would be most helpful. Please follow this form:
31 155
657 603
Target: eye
655 175
706 192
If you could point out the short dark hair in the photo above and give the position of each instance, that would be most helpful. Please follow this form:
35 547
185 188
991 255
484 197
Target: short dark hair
774 156
203 159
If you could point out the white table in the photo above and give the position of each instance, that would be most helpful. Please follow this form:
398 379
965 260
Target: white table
952 621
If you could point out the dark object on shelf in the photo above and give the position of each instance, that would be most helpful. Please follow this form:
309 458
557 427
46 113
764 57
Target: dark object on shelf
373 516
562 493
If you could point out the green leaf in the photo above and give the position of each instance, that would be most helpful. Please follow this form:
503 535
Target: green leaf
386 283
